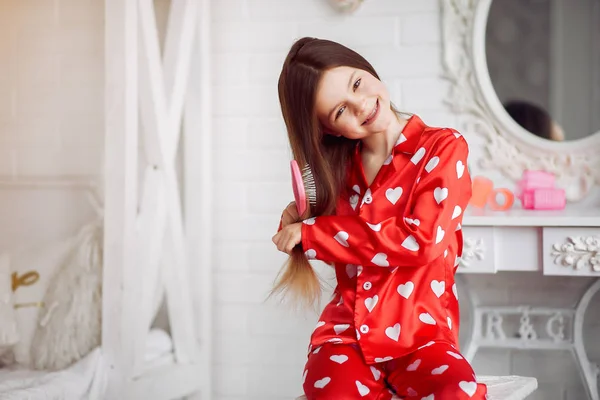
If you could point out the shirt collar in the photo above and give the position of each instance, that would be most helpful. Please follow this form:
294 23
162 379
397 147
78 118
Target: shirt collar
410 135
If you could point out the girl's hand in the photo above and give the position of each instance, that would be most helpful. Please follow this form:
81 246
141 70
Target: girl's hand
289 215
288 237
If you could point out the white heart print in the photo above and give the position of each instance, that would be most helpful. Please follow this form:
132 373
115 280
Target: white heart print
468 387
445 253
376 227
460 169
426 318
455 355
311 254
418 156
340 328
320 324
354 201
359 270
388 160
401 139
356 188
410 243
310 221
367 198
340 359
438 287
304 376
430 397
449 322
414 365
427 344
412 392
362 389
380 259
439 235
440 194
393 332
321 383
411 221
351 270
371 302
342 238
433 162
455 291
439 370
376 373
383 359
393 195
406 289
457 211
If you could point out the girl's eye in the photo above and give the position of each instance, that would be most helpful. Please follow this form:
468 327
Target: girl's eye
340 111
356 84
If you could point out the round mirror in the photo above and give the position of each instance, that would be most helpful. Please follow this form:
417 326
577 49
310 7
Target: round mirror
543 58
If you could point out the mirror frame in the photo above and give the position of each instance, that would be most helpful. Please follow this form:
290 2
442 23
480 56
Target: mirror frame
509 148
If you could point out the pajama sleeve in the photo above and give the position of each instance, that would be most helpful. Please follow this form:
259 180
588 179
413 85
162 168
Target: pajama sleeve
421 230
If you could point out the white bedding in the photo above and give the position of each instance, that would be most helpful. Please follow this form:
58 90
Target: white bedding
86 379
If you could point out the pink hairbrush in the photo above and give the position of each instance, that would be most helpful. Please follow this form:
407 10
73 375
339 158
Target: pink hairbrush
303 185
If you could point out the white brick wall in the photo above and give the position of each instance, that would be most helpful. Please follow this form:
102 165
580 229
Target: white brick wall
51 123
51 85
261 346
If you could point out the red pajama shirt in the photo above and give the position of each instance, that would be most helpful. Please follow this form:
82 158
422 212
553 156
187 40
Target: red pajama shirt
395 246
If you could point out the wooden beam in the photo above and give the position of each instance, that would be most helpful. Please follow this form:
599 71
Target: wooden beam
199 189
162 141
121 128
177 58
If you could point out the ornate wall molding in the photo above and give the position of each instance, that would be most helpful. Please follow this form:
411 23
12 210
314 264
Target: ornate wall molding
509 148
473 250
346 6
578 252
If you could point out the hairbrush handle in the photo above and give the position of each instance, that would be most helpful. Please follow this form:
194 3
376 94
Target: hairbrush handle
298 187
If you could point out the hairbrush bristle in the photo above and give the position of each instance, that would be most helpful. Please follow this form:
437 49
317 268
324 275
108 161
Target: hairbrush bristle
309 185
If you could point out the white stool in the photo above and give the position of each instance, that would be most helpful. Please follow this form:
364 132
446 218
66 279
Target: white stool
502 387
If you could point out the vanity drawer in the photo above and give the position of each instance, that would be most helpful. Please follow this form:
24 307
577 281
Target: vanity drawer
478 250
573 251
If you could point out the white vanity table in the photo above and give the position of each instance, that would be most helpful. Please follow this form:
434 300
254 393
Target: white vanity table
553 243
481 38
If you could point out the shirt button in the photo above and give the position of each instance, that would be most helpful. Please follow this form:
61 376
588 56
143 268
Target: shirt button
368 199
364 329
367 285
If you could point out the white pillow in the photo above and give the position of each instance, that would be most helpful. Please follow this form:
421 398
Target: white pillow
34 268
8 322
69 327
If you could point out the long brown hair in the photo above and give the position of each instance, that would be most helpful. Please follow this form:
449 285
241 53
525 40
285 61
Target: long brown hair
327 156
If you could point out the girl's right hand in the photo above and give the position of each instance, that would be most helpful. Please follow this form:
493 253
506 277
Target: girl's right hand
289 215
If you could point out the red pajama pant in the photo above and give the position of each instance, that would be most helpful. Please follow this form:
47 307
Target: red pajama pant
434 372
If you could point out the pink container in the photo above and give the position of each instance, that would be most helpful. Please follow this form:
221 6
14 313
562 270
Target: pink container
534 180
544 199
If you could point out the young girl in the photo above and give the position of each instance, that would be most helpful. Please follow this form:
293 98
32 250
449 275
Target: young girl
390 198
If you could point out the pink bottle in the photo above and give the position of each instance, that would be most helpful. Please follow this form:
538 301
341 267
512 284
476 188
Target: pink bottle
534 180
544 199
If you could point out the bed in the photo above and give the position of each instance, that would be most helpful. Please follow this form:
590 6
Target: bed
152 231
